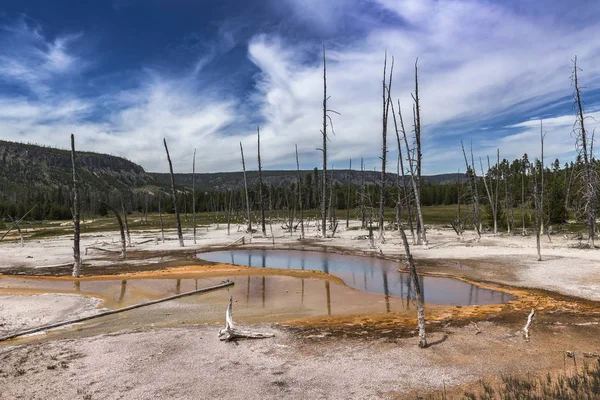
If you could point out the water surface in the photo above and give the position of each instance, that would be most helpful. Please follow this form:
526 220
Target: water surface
364 273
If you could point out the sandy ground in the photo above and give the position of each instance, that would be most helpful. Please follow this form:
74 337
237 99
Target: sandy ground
118 358
18 313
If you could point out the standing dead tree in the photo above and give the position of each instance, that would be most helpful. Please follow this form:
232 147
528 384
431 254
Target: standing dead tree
472 191
249 228
417 127
260 187
422 233
76 249
299 184
585 147
326 117
489 189
537 201
174 196
162 228
194 194
362 194
418 289
406 196
124 211
386 95
348 200
121 228
457 224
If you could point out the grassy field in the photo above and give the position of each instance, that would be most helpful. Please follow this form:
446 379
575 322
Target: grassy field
433 215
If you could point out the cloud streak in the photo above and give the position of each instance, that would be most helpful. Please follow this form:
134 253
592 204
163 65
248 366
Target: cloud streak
487 73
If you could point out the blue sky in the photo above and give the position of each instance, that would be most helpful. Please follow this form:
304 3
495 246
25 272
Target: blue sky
123 74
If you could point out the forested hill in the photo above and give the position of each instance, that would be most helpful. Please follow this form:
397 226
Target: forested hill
28 167
235 180
32 167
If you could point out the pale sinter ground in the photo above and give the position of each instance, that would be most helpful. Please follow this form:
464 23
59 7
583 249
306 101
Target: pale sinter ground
189 362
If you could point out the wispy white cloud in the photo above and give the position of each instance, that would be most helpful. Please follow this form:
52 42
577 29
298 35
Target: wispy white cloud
481 64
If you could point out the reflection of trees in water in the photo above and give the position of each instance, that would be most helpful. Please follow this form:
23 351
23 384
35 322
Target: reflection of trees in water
123 289
328 293
77 285
178 286
263 290
386 291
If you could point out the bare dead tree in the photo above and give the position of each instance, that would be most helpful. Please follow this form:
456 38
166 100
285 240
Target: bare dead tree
299 184
348 201
472 192
121 228
260 184
457 224
405 190
418 290
386 96
492 196
326 117
417 125
524 167
249 228
76 249
362 194
542 219
162 229
16 224
324 149
585 147
538 209
124 210
422 234
229 213
174 196
194 194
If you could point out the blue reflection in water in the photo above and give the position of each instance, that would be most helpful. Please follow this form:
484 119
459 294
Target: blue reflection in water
379 276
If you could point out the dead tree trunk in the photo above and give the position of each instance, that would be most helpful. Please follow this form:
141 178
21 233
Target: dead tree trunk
324 149
538 210
362 194
15 225
405 190
174 196
472 191
299 184
386 96
417 109
121 228
229 213
194 194
418 292
422 234
124 211
260 185
162 229
457 225
76 249
585 147
249 228
523 167
348 200
490 193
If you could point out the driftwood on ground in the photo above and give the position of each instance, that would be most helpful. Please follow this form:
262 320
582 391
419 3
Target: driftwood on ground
231 333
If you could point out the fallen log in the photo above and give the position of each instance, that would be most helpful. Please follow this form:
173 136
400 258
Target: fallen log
231 333
120 310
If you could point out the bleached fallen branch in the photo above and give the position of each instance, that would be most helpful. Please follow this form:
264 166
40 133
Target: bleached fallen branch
231 333
528 324
478 331
241 240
